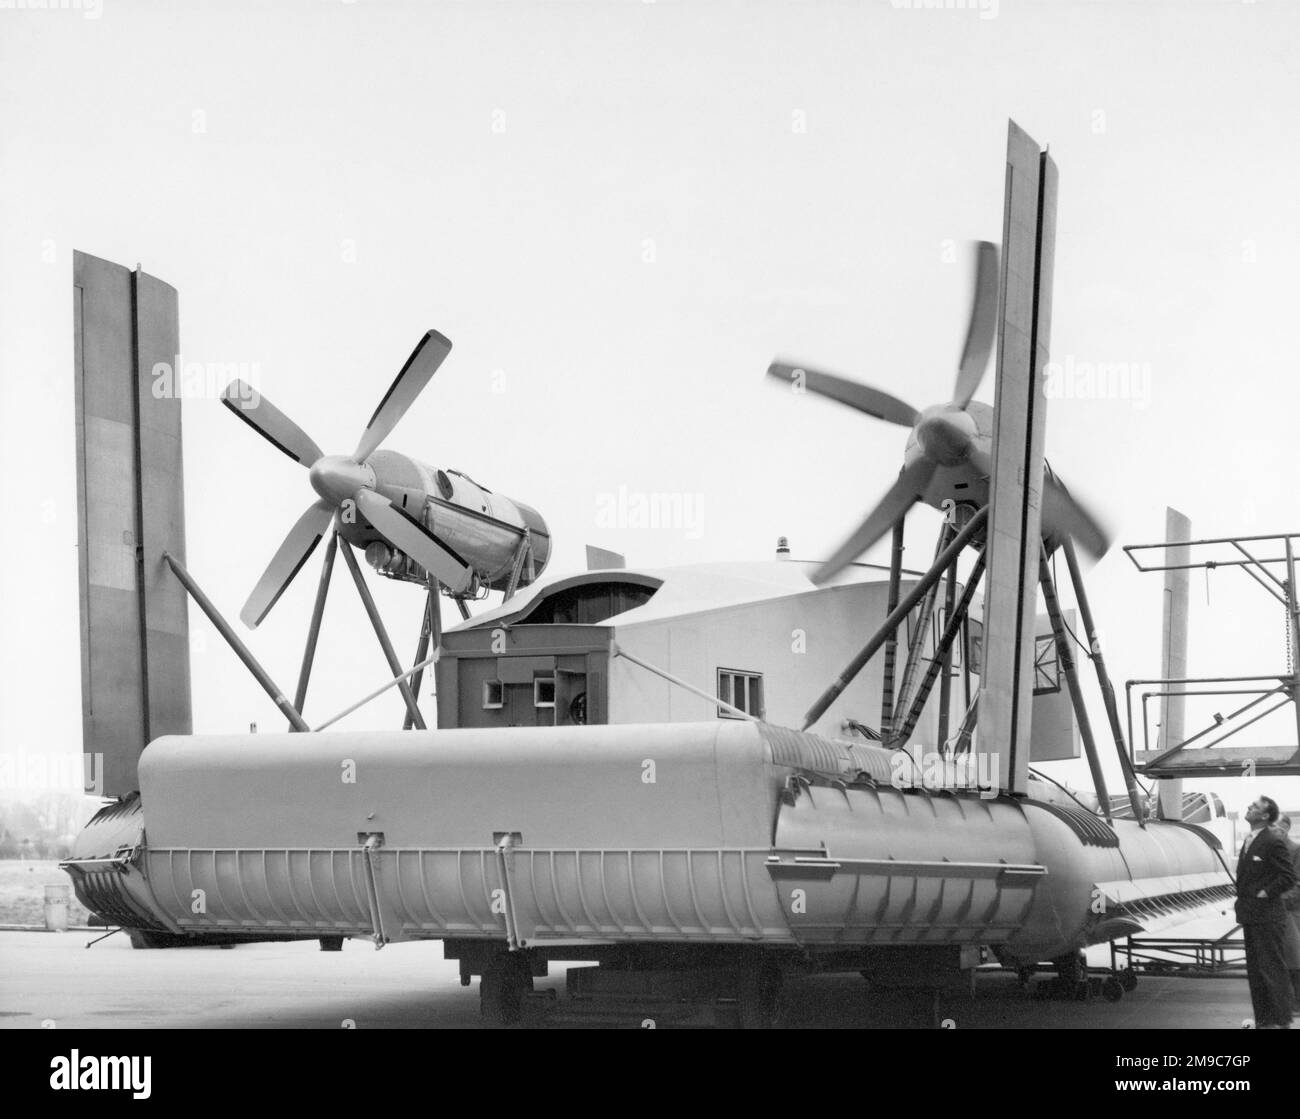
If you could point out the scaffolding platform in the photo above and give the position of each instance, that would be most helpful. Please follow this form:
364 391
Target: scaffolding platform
1225 761
1269 560
1221 957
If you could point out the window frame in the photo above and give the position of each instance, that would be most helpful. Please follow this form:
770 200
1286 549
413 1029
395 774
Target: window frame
1047 664
540 703
754 705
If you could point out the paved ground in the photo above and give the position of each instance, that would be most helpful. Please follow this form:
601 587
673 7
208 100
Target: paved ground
49 976
22 892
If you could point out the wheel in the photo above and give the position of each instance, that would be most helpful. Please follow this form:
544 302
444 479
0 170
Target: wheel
1112 989
758 995
147 938
506 981
1128 979
331 944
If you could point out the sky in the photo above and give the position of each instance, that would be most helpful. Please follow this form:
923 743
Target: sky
620 213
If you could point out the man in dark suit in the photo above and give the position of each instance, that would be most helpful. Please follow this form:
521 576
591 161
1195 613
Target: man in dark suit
1291 900
1264 875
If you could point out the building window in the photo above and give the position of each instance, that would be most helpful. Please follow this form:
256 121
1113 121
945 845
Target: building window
1047 668
544 691
743 690
975 646
491 695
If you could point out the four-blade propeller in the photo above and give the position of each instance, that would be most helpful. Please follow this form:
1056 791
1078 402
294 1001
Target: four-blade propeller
339 479
945 435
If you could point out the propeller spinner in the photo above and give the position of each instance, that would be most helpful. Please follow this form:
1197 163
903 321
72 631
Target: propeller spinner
339 479
953 438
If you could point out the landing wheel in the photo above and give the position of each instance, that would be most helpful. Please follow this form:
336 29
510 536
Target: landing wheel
331 944
759 995
1112 989
1072 968
148 938
507 981
1128 979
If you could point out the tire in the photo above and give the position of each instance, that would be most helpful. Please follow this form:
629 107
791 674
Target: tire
1128 979
505 983
1112 989
331 944
147 938
759 1001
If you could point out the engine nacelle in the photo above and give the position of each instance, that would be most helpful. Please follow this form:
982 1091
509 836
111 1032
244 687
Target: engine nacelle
484 528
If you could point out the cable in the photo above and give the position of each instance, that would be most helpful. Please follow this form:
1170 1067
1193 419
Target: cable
1066 624
1064 789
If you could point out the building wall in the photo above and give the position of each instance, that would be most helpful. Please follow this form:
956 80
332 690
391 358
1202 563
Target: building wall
799 643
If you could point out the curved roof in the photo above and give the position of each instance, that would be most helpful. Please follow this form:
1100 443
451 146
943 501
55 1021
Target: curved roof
689 589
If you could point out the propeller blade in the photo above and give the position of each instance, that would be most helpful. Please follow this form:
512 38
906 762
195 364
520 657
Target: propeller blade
983 325
419 368
407 534
288 559
902 494
1063 514
269 422
862 397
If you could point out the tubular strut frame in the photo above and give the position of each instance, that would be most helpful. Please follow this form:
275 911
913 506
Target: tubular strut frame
1283 589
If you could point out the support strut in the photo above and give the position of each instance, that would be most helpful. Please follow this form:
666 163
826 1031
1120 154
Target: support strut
232 639
891 643
430 628
1066 656
940 659
317 613
1103 681
524 551
367 600
1293 620
916 647
945 680
845 678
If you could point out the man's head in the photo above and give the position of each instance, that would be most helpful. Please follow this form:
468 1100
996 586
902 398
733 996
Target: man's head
1262 811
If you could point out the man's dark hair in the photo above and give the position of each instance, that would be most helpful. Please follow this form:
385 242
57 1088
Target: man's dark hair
1270 806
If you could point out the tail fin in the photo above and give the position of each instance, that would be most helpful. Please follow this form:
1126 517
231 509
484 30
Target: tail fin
135 662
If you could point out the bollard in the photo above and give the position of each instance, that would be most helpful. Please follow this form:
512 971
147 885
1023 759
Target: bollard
56 908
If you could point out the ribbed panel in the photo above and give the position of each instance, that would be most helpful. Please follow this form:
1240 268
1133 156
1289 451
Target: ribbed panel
808 751
873 761
1092 830
101 891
